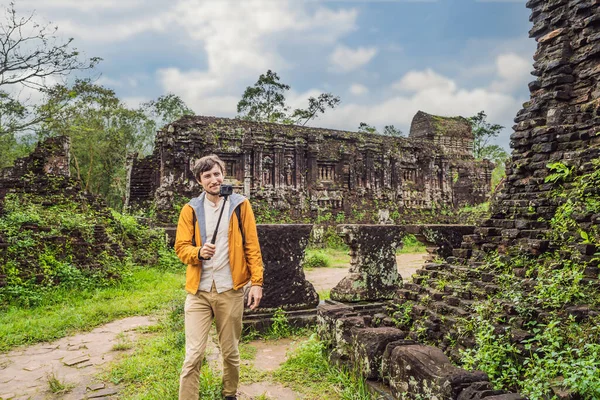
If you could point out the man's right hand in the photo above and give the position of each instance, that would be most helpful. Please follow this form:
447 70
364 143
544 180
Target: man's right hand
207 251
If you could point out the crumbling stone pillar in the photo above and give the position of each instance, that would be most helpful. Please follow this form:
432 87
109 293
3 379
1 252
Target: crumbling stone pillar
285 285
373 271
312 154
247 165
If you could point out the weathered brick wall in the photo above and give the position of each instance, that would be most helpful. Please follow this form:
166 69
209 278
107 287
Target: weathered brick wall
452 135
302 169
44 176
560 123
49 158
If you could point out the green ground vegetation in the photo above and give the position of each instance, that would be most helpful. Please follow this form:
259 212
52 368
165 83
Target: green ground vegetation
539 333
53 288
337 256
558 350
410 245
63 312
152 371
53 248
308 371
326 258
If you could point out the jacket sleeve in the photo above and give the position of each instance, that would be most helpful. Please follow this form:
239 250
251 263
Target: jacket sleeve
252 247
186 252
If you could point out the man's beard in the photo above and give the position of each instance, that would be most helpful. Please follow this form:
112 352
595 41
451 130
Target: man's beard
214 191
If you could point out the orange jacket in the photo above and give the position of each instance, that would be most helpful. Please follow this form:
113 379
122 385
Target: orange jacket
245 261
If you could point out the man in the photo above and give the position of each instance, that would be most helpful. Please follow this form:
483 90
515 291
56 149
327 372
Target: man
216 274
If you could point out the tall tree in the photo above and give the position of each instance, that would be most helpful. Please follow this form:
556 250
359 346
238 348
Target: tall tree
103 132
160 112
30 53
483 132
265 101
316 106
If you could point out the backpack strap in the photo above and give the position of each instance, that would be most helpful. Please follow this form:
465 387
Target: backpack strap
194 227
238 213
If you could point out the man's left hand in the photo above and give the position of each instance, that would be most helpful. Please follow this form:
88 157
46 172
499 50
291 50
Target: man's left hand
254 296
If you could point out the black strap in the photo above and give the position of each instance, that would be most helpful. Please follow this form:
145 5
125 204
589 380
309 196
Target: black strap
194 227
214 238
238 213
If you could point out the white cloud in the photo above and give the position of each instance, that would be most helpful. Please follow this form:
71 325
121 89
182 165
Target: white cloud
109 82
491 61
430 92
198 89
81 5
345 59
415 81
114 31
247 35
513 72
123 82
300 100
236 40
134 101
358 89
240 40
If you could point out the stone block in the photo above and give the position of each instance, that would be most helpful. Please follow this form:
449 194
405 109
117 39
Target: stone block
478 391
369 346
417 370
327 316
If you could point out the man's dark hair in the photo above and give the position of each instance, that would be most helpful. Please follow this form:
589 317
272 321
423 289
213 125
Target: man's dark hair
207 163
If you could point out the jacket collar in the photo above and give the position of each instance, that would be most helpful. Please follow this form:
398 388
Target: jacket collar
197 203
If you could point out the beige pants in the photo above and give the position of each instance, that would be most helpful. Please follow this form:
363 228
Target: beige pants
226 308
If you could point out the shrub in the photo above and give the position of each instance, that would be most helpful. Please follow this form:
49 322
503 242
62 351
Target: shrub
316 260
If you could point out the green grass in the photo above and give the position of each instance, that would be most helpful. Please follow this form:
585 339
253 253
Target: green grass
308 371
339 258
410 245
247 351
146 291
324 294
57 386
335 258
152 370
123 343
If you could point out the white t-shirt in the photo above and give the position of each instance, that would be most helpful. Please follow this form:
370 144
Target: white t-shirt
217 269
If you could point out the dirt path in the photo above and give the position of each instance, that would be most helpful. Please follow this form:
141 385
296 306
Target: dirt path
326 278
269 356
74 361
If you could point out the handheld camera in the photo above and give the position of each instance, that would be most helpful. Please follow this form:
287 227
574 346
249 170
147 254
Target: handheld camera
226 190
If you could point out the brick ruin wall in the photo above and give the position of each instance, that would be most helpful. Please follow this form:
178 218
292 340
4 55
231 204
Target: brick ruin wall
560 123
302 170
45 174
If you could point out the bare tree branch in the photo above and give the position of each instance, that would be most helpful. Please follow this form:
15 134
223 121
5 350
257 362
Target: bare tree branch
29 53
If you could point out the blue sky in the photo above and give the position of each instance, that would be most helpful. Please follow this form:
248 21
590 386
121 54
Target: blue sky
385 59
